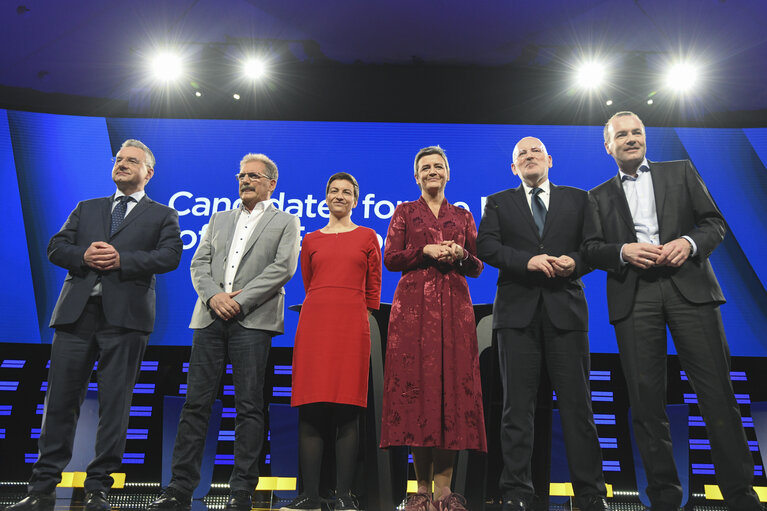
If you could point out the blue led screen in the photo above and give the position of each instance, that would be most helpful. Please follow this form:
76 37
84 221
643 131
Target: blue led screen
50 162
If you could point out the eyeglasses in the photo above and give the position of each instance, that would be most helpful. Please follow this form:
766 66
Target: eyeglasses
250 175
133 162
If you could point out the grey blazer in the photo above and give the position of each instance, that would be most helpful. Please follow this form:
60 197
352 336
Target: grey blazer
269 261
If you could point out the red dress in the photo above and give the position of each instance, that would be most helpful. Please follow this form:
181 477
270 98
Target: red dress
331 353
432 389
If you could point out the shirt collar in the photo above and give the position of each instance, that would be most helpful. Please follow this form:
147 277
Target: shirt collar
545 186
137 196
260 207
643 167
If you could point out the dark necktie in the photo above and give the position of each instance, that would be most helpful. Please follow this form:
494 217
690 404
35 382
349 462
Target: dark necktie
539 209
118 213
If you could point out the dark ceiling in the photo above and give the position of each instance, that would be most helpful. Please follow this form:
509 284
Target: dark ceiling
400 60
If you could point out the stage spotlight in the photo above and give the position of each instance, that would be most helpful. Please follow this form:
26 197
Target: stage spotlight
198 93
609 102
650 101
254 68
682 77
167 67
590 75
236 96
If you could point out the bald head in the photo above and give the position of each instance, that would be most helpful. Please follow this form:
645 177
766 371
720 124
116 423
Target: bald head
531 162
527 139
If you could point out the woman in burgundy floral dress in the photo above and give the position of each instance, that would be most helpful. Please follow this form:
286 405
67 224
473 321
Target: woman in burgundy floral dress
432 392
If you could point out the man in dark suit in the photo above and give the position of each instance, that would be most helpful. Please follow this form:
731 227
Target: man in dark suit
654 228
533 234
244 259
112 247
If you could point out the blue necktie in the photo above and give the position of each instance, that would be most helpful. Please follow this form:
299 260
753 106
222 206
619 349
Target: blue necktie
118 213
539 209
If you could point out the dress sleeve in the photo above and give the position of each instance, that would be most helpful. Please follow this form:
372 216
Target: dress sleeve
373 277
471 266
397 255
306 263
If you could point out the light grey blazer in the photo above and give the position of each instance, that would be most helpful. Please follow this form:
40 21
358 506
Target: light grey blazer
269 261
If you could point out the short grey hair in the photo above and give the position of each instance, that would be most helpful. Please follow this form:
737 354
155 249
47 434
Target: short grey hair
149 160
623 113
426 151
271 167
516 148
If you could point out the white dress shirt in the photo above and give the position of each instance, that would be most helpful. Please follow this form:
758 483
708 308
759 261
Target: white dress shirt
640 195
246 224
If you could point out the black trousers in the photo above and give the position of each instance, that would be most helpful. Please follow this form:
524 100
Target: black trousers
566 354
701 344
74 350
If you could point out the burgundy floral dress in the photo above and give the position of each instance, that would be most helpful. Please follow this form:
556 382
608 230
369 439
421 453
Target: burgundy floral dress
432 389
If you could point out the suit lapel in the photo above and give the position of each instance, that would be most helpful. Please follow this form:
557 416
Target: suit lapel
137 211
229 224
659 187
621 205
106 215
555 206
519 199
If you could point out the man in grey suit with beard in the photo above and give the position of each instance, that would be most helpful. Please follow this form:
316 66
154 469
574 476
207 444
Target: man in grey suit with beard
113 247
245 257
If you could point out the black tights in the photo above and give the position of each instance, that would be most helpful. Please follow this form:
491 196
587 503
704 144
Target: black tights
315 421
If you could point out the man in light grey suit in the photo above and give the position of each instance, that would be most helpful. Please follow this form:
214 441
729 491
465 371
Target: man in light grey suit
245 257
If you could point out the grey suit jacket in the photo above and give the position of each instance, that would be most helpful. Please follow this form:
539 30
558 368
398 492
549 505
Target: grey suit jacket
269 261
148 242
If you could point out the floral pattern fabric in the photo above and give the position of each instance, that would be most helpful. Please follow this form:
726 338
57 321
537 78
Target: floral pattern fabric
432 388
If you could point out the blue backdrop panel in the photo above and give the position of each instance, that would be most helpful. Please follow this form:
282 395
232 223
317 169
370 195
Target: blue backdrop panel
18 317
63 159
60 160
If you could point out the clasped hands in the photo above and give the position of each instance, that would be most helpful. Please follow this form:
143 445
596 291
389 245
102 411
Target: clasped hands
224 304
562 266
102 256
646 255
445 252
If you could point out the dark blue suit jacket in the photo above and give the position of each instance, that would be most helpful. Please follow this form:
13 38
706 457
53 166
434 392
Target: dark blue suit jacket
508 239
684 207
148 242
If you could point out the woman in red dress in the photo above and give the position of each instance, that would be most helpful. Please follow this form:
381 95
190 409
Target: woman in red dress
432 391
341 268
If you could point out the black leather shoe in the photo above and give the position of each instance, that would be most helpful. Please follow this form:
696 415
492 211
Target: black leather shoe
170 501
96 501
592 503
239 500
35 502
515 504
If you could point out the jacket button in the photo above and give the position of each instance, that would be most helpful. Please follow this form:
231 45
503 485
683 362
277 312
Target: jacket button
540 246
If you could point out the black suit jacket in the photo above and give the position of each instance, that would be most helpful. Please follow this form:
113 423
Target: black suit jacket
508 238
684 208
148 242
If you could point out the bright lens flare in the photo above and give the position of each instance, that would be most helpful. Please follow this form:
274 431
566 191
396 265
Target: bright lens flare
682 77
254 69
167 67
590 75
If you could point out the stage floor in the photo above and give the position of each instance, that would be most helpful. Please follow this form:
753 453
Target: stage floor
139 501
